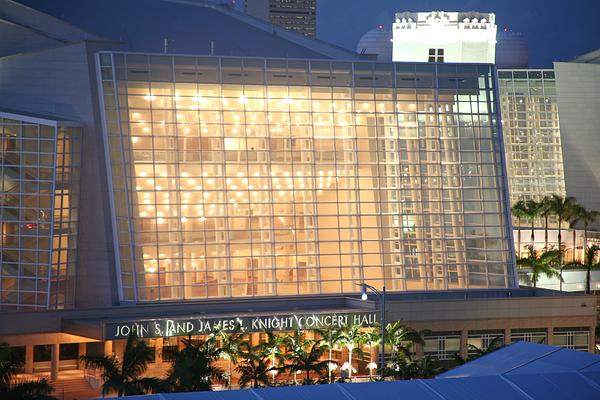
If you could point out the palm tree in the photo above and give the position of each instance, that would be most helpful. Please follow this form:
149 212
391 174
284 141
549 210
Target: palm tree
330 338
428 368
402 338
230 346
538 264
532 211
272 348
124 377
191 367
575 215
254 368
305 355
405 368
372 338
588 264
492 346
518 210
587 217
546 212
351 338
11 389
562 207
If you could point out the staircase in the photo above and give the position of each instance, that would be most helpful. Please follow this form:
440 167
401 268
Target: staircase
70 385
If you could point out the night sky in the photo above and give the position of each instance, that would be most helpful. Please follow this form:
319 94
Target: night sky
556 30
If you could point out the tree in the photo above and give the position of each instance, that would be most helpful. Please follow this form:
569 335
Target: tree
254 369
272 348
562 207
351 338
538 264
191 367
405 368
588 264
330 338
575 215
13 389
124 377
545 212
230 346
587 217
402 338
372 338
532 211
305 355
492 346
518 211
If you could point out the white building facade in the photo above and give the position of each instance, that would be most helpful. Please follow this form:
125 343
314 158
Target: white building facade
440 36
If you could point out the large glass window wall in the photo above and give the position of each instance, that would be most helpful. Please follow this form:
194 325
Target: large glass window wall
252 177
38 218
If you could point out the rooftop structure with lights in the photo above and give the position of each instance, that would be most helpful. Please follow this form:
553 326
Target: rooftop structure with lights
440 36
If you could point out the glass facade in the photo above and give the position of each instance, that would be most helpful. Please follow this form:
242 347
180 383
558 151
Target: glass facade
442 345
531 131
240 177
38 213
572 338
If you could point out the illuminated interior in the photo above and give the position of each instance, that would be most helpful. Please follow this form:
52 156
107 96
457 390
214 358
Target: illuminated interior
231 188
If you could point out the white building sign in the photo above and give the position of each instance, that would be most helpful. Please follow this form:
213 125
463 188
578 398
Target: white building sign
166 327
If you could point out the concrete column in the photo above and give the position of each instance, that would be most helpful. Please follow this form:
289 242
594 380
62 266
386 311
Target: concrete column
81 352
550 336
464 350
507 336
108 348
54 361
419 351
29 359
592 343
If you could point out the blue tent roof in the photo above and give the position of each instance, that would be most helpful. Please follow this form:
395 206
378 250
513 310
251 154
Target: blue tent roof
526 358
520 371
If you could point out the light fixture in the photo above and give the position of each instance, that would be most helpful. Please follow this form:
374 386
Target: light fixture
363 294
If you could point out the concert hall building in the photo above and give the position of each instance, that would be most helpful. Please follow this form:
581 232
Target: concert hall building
166 181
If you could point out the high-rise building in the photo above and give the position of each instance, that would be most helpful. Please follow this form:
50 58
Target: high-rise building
532 138
295 15
440 36
578 84
253 182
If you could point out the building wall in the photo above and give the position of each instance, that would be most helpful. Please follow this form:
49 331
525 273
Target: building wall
440 36
532 139
295 15
578 85
296 185
61 81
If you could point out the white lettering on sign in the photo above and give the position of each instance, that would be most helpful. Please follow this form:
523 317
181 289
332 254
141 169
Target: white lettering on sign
203 326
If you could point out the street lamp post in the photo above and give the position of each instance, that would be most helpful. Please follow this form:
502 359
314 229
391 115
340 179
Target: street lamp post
381 298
